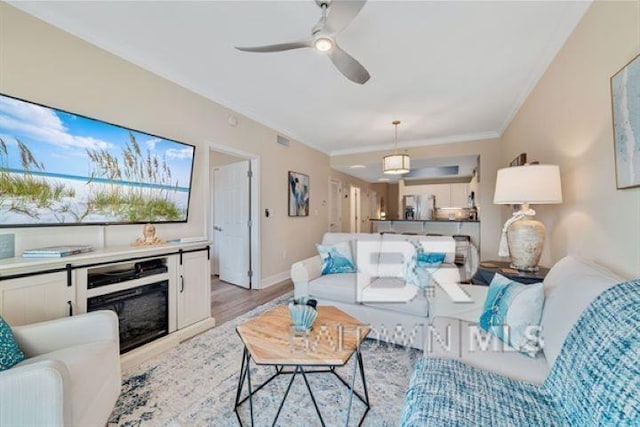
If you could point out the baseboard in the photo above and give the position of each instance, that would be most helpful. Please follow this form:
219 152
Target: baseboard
147 351
196 328
276 278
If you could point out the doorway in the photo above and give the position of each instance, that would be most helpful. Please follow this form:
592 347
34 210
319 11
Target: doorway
355 209
233 217
335 206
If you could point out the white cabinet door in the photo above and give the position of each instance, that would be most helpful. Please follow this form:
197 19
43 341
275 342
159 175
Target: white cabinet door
194 289
459 195
35 298
442 193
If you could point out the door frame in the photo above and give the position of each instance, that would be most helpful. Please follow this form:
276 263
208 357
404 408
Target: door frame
338 201
255 281
355 209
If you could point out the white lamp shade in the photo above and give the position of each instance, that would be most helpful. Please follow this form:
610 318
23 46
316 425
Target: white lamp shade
535 184
396 164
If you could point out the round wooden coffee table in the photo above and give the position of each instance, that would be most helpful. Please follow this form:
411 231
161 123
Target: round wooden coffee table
270 340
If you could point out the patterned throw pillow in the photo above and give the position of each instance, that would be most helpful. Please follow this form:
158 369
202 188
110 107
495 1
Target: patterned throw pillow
336 258
512 312
10 353
419 270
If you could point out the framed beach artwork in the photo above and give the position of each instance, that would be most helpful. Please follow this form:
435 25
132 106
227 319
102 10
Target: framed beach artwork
298 190
625 106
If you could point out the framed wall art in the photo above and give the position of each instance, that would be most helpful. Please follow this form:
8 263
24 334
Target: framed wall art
520 160
625 107
298 191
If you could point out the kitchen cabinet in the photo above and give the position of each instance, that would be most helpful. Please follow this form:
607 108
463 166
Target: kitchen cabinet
459 195
193 288
442 193
447 195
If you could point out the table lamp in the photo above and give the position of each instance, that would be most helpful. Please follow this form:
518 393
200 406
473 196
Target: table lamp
523 236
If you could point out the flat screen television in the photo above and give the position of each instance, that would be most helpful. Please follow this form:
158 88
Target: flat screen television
60 168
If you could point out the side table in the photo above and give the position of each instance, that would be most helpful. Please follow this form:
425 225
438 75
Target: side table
487 269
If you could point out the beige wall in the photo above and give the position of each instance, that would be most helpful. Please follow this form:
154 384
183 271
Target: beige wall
566 120
217 158
490 161
41 63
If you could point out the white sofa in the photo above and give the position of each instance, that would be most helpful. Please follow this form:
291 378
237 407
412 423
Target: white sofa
71 376
570 286
401 322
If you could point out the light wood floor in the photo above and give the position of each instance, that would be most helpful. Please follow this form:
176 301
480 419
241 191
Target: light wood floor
230 301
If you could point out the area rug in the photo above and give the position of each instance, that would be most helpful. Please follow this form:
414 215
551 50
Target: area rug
195 384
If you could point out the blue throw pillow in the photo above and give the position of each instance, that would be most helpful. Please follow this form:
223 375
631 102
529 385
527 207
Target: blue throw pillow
431 259
10 353
512 312
336 258
419 270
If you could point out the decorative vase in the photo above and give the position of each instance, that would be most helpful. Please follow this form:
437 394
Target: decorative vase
303 313
526 240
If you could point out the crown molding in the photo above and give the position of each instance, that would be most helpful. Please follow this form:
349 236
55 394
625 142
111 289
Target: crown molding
480 136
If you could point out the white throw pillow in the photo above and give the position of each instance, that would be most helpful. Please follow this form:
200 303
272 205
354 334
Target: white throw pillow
571 285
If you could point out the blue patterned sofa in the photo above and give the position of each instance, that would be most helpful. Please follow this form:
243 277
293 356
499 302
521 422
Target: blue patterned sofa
592 347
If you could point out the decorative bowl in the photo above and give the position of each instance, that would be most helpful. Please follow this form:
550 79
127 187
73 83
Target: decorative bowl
303 313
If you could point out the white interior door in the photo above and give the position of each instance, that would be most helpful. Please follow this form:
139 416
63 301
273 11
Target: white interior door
355 213
373 208
335 206
231 222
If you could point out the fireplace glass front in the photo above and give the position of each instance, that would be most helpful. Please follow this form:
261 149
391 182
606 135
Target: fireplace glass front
143 313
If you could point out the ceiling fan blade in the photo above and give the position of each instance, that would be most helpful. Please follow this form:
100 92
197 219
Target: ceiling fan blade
277 47
341 13
349 66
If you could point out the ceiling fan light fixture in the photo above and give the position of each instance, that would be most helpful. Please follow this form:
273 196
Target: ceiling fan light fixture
396 163
323 44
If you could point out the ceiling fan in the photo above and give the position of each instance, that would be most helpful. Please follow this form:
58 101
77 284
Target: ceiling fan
336 16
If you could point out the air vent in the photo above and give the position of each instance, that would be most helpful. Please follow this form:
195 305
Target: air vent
283 141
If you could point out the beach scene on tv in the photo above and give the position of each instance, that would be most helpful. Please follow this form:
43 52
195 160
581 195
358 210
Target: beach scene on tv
61 168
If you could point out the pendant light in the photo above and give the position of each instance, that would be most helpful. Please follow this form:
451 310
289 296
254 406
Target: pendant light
396 163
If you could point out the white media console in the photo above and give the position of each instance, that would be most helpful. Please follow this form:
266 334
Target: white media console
162 294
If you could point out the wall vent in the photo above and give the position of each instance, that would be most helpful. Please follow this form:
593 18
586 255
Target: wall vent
283 141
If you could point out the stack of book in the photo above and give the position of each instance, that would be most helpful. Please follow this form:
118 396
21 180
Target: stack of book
56 251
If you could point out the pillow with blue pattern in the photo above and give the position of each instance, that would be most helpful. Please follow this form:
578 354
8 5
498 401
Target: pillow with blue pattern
430 259
419 270
336 258
512 312
10 353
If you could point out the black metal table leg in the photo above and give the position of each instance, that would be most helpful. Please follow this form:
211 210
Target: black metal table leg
351 388
364 386
249 386
245 375
362 376
313 399
286 393
241 378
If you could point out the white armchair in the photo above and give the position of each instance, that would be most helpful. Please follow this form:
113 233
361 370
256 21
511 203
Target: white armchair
71 376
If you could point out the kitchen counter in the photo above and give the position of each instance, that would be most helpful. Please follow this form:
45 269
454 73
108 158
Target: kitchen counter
437 227
440 221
